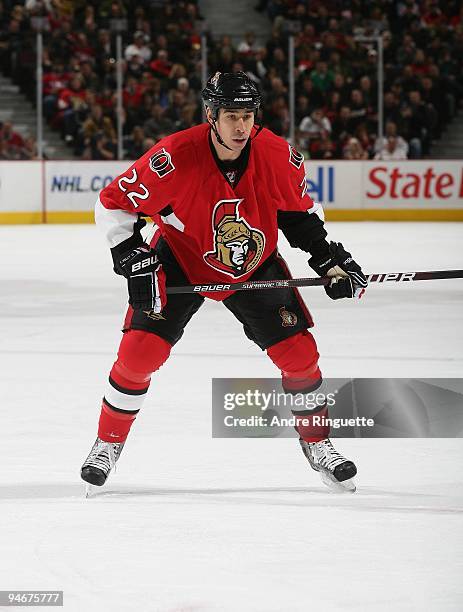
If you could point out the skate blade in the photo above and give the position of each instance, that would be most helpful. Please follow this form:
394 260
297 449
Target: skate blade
346 486
89 490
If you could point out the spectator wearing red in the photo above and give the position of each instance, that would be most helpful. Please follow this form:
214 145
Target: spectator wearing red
106 99
72 105
132 93
13 139
420 64
323 148
308 35
433 17
161 66
82 50
54 82
335 31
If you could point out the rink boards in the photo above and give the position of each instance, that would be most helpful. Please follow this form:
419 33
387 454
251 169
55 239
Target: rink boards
66 191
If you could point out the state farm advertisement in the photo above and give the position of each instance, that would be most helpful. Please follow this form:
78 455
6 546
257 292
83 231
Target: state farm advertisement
337 185
415 185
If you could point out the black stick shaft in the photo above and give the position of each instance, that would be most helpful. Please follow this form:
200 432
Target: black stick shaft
397 277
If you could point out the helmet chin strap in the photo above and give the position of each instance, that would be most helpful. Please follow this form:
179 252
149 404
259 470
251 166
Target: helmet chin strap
218 136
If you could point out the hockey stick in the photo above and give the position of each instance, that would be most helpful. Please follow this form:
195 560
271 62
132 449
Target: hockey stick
310 282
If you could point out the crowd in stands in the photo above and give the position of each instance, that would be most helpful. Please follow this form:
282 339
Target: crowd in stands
335 76
161 68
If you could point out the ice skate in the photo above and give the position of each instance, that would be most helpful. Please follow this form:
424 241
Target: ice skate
335 470
99 463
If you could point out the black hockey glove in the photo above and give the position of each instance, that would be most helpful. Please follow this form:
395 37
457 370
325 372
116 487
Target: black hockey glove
348 279
145 276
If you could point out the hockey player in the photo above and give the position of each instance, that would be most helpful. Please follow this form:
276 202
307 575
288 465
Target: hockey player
218 193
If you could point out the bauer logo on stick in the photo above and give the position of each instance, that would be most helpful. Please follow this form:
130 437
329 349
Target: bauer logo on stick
161 163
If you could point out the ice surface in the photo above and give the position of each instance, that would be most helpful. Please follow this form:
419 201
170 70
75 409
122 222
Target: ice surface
190 523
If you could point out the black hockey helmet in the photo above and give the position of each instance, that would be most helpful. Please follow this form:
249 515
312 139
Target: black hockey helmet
230 90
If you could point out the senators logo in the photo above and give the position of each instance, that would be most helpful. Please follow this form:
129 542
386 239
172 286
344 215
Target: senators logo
295 158
288 319
161 163
238 246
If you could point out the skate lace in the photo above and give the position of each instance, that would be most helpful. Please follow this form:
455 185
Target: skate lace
327 455
103 455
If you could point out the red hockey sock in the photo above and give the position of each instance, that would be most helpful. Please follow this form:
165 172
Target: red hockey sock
297 358
114 426
310 425
140 354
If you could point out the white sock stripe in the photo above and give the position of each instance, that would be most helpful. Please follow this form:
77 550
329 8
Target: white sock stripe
122 400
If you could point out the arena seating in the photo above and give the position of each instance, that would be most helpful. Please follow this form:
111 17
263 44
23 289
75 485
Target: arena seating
336 89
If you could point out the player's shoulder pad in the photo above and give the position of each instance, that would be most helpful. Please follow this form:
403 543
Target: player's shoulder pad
275 148
172 152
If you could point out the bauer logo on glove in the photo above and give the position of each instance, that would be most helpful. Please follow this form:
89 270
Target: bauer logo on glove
143 264
145 278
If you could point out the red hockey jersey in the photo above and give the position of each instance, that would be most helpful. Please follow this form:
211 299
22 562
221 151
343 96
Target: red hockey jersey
218 233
